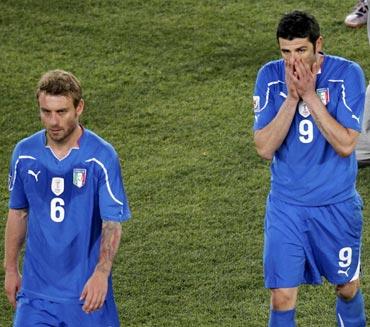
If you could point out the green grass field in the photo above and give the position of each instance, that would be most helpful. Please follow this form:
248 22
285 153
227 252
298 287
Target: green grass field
169 84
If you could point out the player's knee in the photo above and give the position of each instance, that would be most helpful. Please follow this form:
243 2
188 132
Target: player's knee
347 291
283 299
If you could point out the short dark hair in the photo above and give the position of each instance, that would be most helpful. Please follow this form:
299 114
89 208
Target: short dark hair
298 24
60 82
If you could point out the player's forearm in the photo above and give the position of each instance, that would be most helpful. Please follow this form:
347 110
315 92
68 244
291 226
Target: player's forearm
15 233
342 139
270 138
110 240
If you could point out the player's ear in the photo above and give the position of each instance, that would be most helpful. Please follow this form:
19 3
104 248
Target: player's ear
319 44
80 107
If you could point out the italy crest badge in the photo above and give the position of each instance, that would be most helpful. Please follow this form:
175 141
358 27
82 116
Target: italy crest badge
323 95
79 177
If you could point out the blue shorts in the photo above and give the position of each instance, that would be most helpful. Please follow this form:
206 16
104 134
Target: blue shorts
33 312
303 244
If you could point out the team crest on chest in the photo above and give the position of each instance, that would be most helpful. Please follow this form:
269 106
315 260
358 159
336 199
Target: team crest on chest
303 109
57 185
323 95
79 177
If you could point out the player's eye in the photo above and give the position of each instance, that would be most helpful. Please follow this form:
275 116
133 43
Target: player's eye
45 112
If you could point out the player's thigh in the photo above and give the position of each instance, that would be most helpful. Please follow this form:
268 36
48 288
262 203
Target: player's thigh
34 313
336 240
284 255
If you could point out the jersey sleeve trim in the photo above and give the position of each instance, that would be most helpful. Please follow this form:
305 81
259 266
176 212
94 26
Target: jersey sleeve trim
12 180
267 95
344 98
106 179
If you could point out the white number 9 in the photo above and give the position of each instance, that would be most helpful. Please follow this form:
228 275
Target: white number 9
345 257
306 131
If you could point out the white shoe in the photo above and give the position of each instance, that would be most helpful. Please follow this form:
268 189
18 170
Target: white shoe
358 17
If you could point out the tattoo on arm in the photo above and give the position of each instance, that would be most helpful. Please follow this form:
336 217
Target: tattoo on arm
111 236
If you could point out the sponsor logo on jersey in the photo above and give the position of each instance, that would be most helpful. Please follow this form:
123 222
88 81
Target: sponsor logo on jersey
32 173
323 95
57 185
303 109
256 102
79 177
344 272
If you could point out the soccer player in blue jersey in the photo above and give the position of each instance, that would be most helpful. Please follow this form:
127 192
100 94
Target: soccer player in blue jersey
308 109
67 202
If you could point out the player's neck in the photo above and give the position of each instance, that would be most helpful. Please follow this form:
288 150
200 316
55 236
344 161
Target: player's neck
63 147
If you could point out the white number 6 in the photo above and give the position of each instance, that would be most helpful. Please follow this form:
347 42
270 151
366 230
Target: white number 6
56 210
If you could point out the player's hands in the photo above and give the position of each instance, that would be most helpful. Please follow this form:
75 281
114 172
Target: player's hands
290 77
95 291
12 285
305 78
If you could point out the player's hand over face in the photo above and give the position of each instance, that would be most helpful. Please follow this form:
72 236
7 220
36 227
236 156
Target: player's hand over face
94 292
305 81
12 285
290 79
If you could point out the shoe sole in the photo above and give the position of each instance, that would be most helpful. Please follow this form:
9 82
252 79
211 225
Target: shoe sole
355 25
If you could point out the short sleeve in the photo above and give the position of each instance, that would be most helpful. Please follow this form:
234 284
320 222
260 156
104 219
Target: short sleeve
352 98
112 196
17 199
264 99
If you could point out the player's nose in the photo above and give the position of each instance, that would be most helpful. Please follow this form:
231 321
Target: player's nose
54 119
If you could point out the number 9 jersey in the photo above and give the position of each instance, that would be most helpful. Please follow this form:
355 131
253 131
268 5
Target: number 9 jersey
67 199
305 169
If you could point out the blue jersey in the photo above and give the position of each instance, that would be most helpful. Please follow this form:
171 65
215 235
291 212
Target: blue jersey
67 199
305 169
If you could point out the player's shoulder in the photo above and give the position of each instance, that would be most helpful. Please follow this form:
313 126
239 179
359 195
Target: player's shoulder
272 71
96 144
30 144
273 66
339 65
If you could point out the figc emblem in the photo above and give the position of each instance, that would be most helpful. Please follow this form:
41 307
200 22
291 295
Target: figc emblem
79 177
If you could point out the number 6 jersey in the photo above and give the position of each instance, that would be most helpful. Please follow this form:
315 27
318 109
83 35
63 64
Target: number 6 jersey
66 201
305 169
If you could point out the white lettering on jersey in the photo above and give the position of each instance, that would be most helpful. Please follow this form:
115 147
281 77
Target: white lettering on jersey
57 185
32 173
306 131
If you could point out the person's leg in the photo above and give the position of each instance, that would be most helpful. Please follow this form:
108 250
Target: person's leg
284 260
350 307
336 233
282 310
